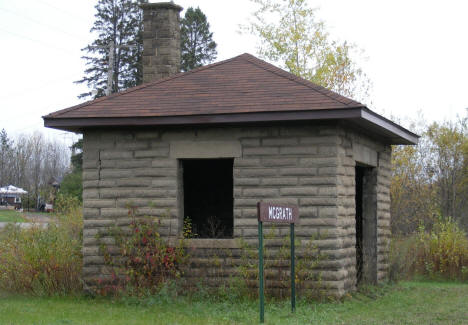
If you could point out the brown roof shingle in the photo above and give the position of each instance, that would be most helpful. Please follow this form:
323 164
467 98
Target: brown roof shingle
243 89
243 84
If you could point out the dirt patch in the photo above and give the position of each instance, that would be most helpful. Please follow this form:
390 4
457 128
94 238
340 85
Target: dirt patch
38 217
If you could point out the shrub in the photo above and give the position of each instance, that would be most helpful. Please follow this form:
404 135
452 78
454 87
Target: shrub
442 252
401 257
41 260
277 263
66 205
144 261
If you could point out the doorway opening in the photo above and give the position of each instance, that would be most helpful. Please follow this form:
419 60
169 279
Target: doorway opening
366 224
208 196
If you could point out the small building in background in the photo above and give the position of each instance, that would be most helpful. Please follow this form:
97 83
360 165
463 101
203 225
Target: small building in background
10 196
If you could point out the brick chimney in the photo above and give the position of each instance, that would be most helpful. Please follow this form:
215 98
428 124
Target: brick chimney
161 40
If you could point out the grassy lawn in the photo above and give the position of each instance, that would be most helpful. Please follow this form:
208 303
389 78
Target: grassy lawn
11 216
406 303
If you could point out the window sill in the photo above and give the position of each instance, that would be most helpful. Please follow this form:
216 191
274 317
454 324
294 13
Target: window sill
226 243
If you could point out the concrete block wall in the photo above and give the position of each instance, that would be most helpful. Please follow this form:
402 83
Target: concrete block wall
310 166
353 144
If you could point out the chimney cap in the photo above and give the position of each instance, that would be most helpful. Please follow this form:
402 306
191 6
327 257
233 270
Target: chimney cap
161 5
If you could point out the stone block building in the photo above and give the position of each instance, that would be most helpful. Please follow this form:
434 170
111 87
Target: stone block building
210 143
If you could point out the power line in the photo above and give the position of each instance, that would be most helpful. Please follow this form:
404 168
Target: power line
44 84
48 45
41 23
62 11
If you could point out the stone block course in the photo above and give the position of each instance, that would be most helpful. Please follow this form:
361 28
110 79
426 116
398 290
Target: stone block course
116 154
250 142
318 201
164 163
310 166
278 162
133 182
130 163
90 175
154 172
279 181
298 171
247 181
98 203
164 183
279 141
91 194
298 150
256 172
260 151
299 191
321 140
115 173
90 184
319 162
318 180
260 192
247 162
153 153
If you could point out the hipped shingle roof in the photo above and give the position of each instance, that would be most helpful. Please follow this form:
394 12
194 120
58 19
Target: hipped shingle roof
240 89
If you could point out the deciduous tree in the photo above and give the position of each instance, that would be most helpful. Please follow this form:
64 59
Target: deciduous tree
448 148
33 162
291 34
431 179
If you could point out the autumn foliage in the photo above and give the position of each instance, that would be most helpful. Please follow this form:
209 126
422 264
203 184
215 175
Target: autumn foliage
42 259
142 260
431 179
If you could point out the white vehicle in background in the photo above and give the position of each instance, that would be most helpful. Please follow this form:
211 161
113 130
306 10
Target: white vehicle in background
49 207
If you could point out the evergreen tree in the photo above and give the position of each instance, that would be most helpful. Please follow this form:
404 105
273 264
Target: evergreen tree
72 183
118 21
197 45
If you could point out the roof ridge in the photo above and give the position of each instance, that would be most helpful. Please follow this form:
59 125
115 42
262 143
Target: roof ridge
142 86
287 75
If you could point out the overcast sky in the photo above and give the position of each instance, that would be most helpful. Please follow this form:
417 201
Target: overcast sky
417 53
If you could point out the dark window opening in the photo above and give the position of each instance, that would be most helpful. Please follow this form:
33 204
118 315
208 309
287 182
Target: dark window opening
208 196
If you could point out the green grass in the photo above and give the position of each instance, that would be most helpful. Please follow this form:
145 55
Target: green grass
406 303
11 216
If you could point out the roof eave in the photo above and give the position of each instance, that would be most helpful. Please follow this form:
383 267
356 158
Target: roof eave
399 134
392 132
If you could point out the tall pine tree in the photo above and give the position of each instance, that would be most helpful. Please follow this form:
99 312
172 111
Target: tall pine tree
197 45
121 22
118 21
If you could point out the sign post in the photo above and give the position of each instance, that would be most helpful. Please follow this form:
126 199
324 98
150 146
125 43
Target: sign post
276 213
260 271
293 270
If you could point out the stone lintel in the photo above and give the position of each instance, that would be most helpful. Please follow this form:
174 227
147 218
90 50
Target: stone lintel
365 155
205 149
